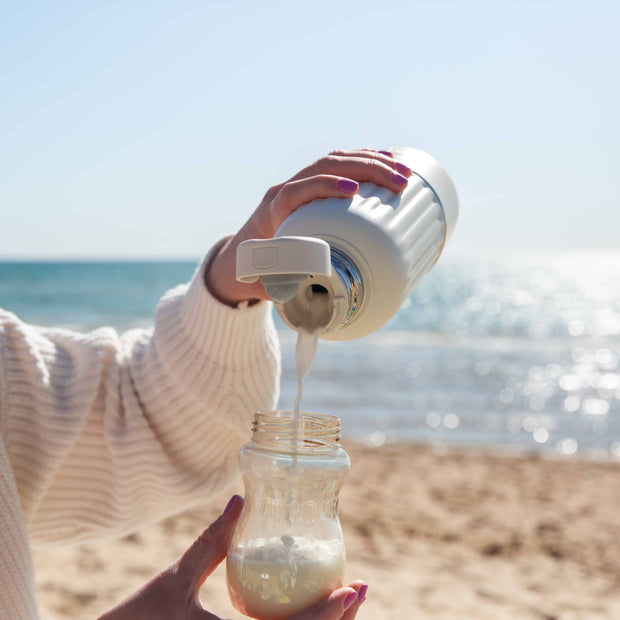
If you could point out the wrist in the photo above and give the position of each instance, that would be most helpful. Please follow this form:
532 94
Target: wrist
221 281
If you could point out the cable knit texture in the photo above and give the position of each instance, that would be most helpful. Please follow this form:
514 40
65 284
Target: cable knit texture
101 433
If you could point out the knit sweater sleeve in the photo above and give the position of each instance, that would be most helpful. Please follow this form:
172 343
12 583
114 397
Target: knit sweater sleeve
106 432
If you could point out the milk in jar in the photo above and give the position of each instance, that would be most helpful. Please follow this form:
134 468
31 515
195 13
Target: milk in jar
278 577
287 552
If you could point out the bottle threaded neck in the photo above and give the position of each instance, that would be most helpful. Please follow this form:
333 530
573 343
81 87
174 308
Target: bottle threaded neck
351 280
309 433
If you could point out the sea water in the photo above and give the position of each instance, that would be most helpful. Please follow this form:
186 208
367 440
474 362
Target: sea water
517 351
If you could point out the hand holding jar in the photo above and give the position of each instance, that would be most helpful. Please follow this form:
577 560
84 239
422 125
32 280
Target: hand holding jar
287 552
173 593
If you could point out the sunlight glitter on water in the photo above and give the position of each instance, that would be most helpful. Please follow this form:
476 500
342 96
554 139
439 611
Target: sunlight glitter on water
521 353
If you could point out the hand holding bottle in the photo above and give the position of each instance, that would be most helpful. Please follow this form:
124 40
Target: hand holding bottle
173 593
336 175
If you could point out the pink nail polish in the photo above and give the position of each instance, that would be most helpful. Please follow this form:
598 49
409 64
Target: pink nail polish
348 186
351 598
402 168
399 179
362 593
230 504
386 153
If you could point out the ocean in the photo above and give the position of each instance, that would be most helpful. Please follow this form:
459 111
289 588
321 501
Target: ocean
517 352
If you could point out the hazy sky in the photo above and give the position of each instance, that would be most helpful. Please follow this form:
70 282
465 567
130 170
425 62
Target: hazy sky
145 128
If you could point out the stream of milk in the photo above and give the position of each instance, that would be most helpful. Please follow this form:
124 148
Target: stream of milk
316 316
305 351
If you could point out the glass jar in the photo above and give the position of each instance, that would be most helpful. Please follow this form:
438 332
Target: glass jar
287 552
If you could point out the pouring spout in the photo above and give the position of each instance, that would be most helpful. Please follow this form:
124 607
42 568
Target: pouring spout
282 263
282 287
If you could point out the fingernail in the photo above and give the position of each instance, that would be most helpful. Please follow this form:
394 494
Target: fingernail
362 593
399 179
230 504
351 598
386 153
402 168
348 186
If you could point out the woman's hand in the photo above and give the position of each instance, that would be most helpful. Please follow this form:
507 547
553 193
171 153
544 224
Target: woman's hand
335 175
173 594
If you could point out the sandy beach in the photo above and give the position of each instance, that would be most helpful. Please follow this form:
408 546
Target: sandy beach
436 534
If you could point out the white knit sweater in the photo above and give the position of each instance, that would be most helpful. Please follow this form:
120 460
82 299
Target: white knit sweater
101 433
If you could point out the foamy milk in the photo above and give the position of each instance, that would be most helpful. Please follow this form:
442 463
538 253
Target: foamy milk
277 578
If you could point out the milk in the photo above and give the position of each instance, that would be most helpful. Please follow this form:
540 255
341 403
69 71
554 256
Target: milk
305 352
276 578
317 313
315 316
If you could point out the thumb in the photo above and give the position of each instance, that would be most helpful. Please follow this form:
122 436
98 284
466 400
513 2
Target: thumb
209 549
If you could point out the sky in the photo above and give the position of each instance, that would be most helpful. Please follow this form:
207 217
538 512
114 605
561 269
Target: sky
149 129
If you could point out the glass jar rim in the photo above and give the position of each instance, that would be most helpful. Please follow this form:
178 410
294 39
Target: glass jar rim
313 432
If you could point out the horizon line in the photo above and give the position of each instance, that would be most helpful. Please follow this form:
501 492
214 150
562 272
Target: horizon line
449 252
99 259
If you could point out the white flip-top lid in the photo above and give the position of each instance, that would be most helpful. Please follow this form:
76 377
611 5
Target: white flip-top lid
282 263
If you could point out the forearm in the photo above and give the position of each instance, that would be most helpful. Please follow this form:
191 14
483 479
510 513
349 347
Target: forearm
115 431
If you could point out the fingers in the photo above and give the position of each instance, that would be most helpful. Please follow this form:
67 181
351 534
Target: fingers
342 604
296 193
209 549
335 175
361 588
361 165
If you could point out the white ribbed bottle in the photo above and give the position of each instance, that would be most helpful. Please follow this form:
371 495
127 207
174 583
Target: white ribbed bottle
381 244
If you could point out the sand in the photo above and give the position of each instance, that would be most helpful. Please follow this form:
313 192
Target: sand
436 534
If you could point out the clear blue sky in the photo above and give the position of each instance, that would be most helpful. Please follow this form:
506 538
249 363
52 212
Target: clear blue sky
146 128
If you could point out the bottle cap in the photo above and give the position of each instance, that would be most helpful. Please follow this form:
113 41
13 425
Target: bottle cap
282 263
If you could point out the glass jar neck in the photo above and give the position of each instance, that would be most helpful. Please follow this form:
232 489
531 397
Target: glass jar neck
311 433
